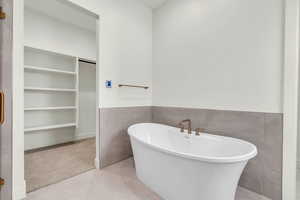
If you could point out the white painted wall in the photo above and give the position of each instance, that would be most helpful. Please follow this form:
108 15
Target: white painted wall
46 32
61 10
19 184
298 128
291 99
219 54
87 101
125 50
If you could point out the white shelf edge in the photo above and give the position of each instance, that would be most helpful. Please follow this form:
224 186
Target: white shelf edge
77 94
54 51
49 70
50 89
50 108
48 50
41 128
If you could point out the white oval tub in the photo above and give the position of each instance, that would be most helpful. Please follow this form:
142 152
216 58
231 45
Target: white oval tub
177 167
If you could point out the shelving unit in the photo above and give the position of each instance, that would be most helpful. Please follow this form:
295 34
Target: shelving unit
51 93
58 102
42 128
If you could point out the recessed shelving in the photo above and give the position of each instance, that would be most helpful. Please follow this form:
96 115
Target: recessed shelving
49 89
43 128
51 95
50 108
42 69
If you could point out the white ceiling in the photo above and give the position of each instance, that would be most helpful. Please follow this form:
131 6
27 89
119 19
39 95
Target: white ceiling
154 3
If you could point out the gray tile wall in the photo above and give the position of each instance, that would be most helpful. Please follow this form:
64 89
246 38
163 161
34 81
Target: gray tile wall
262 174
114 140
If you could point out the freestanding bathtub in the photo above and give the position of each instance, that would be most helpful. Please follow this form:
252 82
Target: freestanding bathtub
181 167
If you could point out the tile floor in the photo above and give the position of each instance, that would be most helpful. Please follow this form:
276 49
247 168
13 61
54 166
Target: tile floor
117 182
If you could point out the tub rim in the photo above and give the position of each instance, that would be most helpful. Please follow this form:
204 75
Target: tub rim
210 159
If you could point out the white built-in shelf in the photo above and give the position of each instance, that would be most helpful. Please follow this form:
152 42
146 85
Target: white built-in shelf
50 108
49 89
42 128
55 51
42 69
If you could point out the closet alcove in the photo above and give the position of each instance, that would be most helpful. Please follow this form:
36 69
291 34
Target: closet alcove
60 49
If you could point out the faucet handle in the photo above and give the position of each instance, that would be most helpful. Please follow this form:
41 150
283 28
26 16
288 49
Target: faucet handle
181 126
199 130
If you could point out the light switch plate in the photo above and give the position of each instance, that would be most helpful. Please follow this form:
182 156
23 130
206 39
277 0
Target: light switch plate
108 84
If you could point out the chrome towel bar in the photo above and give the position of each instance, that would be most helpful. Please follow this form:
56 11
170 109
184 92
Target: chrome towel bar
134 86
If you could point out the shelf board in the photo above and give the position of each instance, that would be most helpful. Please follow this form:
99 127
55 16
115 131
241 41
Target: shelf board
55 51
50 89
42 128
42 69
50 108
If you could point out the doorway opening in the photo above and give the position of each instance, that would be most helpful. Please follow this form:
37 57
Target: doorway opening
60 91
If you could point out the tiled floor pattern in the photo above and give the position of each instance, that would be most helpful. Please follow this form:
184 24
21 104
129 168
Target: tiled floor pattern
58 163
117 182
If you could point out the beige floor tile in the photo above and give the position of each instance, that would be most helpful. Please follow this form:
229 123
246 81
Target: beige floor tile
117 182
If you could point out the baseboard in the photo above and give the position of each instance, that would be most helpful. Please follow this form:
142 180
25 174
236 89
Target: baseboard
87 135
97 163
19 192
49 144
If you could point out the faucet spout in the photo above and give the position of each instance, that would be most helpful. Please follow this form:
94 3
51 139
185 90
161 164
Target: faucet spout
181 126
